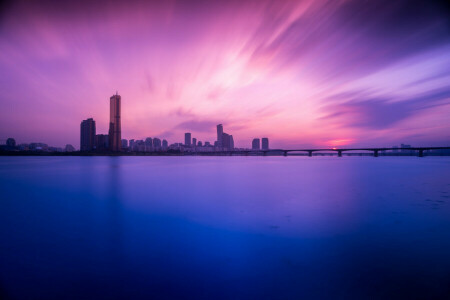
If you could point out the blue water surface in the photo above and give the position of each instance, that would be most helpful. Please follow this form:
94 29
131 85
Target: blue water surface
224 228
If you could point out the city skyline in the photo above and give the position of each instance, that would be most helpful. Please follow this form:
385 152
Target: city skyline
91 141
304 73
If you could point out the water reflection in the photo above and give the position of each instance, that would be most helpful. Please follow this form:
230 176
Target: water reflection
256 227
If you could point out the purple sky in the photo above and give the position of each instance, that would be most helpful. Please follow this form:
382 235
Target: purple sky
306 73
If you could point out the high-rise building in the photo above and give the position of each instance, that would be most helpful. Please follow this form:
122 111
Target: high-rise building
256 144
101 142
115 143
148 144
165 144
87 135
156 143
225 141
131 144
265 143
187 138
231 143
199 144
219 135
139 145
124 143
194 142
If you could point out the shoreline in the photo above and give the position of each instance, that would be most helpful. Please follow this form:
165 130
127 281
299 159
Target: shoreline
234 153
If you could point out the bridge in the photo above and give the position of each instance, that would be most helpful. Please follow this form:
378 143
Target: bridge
420 151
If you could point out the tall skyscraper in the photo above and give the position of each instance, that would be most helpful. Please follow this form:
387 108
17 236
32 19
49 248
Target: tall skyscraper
87 135
114 123
265 143
231 142
187 138
219 135
225 141
194 142
101 142
165 144
256 144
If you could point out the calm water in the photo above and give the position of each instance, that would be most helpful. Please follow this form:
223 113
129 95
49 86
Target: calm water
224 227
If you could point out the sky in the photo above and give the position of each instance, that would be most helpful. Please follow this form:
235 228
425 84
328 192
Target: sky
302 73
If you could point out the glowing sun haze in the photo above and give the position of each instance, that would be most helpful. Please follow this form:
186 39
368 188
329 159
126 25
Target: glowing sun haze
303 73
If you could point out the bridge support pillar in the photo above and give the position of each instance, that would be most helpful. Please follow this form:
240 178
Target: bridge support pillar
375 153
340 153
310 153
285 153
420 153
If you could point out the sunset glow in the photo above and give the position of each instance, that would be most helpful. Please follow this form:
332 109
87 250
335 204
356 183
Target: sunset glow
306 73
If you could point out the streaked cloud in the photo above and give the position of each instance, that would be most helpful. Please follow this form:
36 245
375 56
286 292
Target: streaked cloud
301 72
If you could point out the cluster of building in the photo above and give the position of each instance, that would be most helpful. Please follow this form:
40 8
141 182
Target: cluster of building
403 149
256 145
147 145
112 142
91 141
11 145
224 142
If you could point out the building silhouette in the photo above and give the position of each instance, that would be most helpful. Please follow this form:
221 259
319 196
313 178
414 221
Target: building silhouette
256 144
225 140
69 148
124 143
10 142
148 144
187 138
156 143
219 135
194 142
87 135
139 145
101 142
115 143
405 146
265 143
165 144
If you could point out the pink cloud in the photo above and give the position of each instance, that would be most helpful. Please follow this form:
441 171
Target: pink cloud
262 68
